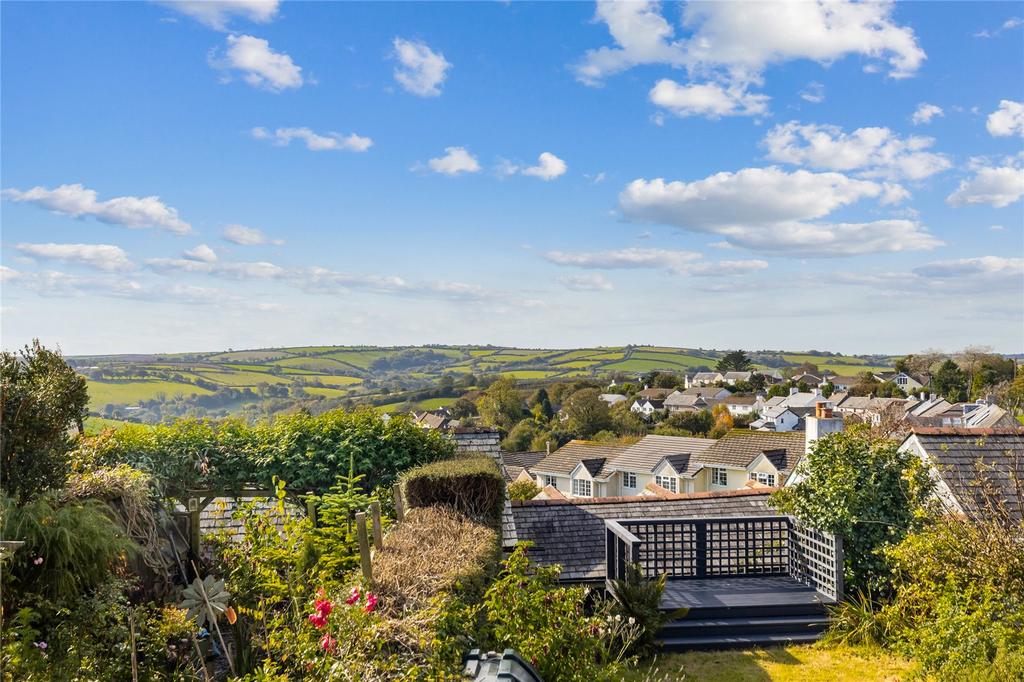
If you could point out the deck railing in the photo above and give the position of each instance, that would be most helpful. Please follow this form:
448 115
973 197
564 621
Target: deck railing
726 547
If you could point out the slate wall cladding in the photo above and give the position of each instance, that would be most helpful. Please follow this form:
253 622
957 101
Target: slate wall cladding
571 533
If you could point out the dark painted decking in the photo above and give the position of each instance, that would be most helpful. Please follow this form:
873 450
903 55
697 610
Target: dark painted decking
740 593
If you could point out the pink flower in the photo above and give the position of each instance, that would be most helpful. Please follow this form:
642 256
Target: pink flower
371 602
323 607
38 560
353 597
328 642
318 620
41 646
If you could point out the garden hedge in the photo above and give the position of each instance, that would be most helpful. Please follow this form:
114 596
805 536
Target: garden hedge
470 484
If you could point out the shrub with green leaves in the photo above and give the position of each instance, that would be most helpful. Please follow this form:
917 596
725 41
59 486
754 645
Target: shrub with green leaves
552 627
958 606
470 484
69 549
41 399
865 491
307 451
523 490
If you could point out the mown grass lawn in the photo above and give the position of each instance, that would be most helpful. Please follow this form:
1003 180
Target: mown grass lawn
804 663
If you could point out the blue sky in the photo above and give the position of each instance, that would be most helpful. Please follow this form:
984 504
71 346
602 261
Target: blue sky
196 176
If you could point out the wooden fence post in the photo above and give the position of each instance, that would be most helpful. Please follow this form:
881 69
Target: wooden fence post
399 503
193 527
364 547
311 509
378 535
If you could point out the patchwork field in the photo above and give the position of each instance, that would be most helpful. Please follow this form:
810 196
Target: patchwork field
360 372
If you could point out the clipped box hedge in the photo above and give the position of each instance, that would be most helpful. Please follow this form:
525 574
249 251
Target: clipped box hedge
470 484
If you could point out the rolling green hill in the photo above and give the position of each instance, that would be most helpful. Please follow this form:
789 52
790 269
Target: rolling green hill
258 381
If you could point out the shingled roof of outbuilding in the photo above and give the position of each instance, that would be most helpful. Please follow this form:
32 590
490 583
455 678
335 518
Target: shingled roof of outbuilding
978 463
740 447
571 533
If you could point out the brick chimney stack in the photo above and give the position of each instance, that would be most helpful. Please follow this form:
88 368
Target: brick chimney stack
821 424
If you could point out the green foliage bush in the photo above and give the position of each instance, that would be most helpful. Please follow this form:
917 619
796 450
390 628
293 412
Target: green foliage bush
523 490
959 601
638 599
868 493
307 451
552 628
41 398
470 484
70 549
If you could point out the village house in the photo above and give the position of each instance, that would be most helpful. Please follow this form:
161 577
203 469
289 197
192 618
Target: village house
742 405
681 402
635 466
707 378
647 406
732 378
908 383
577 469
839 382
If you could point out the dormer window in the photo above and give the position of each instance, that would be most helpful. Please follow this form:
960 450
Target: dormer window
719 476
761 477
667 482
582 487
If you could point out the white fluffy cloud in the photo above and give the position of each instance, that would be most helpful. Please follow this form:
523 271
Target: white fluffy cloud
332 141
997 186
592 282
421 71
674 261
227 270
77 201
217 13
872 152
548 167
707 99
813 93
247 236
985 274
925 113
769 210
662 259
455 161
736 41
1007 120
259 65
1009 24
99 256
201 253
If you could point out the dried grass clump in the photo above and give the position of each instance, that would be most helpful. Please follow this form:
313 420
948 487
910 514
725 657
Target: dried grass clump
434 550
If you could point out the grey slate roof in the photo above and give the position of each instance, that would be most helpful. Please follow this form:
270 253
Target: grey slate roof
571 533
219 515
973 462
648 452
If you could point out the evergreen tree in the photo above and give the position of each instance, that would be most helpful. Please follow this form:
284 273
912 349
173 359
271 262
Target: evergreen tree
734 361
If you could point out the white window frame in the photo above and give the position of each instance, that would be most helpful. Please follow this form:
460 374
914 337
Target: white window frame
551 481
668 482
629 480
763 478
719 476
582 487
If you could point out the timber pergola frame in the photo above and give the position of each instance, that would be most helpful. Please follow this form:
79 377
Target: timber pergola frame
195 501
